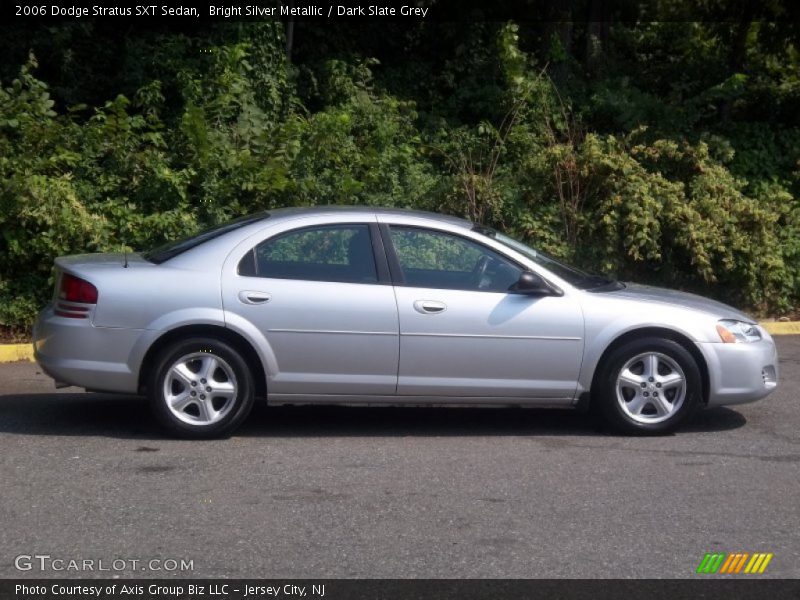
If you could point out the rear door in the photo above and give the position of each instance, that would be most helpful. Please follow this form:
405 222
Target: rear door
321 298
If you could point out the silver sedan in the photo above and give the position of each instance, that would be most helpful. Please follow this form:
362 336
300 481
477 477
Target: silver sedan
372 306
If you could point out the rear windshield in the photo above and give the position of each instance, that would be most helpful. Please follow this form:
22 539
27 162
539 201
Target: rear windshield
172 249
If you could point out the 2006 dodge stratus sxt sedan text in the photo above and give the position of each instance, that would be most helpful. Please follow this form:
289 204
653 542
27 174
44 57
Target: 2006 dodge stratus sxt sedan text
356 305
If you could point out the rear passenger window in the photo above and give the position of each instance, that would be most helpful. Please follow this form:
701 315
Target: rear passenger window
331 253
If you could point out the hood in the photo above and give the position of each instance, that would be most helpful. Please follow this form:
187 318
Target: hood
648 293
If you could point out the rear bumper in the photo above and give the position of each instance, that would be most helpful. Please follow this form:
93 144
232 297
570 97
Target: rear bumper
75 352
740 373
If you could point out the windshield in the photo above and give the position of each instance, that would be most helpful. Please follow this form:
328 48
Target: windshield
572 275
172 249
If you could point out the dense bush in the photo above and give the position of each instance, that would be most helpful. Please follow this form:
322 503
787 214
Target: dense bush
667 172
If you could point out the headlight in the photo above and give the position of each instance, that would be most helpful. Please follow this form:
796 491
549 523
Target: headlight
732 332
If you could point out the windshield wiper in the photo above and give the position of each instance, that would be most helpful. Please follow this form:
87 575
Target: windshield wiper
598 282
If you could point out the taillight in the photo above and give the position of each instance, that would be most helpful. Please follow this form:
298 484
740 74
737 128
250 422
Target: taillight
74 289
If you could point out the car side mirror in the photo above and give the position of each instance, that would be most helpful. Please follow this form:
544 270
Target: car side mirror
531 284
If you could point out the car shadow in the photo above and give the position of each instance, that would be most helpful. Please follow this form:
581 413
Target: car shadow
128 417
719 418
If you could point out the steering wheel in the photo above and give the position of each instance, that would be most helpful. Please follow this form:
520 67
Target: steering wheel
479 270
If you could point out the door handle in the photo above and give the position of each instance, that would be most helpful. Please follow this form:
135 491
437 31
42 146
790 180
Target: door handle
430 307
249 297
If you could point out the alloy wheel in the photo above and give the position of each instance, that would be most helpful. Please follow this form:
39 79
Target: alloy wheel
651 387
200 388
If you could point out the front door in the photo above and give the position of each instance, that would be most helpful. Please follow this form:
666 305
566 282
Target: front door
463 334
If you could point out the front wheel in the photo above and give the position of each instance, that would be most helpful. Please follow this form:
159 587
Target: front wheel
201 388
649 386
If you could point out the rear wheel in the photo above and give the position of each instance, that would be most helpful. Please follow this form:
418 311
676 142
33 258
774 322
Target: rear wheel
649 386
201 388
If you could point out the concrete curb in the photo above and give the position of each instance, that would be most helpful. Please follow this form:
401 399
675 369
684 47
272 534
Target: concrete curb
782 327
16 352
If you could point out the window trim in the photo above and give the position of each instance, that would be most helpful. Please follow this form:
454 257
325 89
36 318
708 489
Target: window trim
378 253
396 269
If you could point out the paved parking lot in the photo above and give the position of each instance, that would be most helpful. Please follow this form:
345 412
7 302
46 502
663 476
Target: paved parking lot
381 492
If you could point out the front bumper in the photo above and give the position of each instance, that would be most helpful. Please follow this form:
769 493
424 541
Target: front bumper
75 352
740 373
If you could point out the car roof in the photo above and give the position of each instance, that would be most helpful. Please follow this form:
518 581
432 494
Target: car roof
254 223
297 211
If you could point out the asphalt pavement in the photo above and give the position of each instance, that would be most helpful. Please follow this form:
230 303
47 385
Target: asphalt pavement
324 492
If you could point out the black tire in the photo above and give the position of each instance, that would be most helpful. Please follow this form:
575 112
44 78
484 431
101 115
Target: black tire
222 414
608 399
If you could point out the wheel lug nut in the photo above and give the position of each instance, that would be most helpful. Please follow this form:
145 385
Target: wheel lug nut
645 395
658 385
655 394
194 383
651 379
644 385
203 381
202 396
193 393
208 389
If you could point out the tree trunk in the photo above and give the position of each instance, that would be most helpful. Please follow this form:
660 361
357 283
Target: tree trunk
597 30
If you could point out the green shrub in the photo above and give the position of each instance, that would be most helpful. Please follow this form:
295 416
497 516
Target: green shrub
660 163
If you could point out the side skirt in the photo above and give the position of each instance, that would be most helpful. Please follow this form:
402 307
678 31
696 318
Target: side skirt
282 399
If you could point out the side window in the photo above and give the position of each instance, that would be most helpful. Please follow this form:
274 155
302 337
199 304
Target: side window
329 253
435 259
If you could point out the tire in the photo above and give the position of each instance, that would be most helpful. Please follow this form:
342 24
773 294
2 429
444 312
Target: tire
648 386
201 388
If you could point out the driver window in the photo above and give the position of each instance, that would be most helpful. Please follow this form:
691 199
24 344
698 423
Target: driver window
435 259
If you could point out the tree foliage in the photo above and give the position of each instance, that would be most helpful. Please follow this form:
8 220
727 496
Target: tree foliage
666 152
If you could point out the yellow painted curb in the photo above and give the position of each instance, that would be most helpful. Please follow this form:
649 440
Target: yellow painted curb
15 352
782 328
